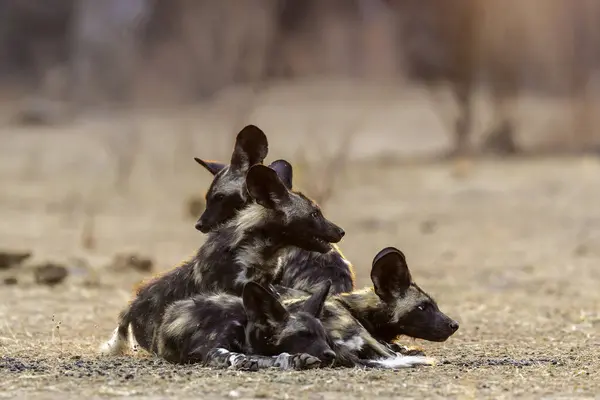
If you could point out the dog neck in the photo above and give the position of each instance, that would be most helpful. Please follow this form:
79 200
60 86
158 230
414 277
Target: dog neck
252 242
372 312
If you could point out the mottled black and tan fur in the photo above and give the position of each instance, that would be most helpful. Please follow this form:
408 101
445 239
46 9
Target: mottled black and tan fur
300 269
246 248
363 323
248 332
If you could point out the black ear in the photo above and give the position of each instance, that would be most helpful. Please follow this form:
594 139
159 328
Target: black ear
390 275
314 304
260 305
212 166
251 147
284 172
265 187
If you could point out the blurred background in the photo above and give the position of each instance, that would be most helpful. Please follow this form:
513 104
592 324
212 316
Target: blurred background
525 68
103 104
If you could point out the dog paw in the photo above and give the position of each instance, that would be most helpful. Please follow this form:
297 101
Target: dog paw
247 364
414 352
406 351
304 361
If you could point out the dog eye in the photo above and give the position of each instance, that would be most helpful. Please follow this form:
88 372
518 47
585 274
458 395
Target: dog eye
422 307
315 214
219 196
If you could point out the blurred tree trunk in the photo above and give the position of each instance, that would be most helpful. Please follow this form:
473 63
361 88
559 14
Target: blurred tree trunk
585 33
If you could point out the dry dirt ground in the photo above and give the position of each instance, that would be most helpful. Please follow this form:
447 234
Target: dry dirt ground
509 248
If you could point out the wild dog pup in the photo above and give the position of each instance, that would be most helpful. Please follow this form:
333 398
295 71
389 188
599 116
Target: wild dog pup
246 248
358 322
222 330
227 194
301 269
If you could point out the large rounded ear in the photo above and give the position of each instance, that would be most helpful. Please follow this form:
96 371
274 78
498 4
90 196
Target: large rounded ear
390 275
212 166
265 187
284 172
261 305
251 147
314 304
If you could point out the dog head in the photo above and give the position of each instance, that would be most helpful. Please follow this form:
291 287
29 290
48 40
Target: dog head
412 312
272 329
294 217
227 193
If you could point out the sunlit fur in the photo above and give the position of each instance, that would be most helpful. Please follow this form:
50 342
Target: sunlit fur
300 269
361 324
246 248
255 324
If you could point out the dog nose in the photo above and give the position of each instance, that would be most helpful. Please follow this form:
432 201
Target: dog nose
328 355
341 232
454 326
203 226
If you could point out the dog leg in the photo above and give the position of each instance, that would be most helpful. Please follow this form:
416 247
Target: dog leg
223 358
404 350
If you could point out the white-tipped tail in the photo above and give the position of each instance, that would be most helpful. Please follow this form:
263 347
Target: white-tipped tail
401 361
115 346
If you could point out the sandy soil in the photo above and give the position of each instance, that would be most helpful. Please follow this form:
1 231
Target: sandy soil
509 248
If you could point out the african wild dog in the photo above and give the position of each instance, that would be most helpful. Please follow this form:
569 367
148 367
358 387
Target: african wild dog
222 330
227 194
362 323
301 269
247 248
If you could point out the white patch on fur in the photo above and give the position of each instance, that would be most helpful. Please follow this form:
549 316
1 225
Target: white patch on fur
114 346
223 300
197 272
133 343
247 218
283 361
233 357
242 277
236 359
401 361
355 344
286 256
